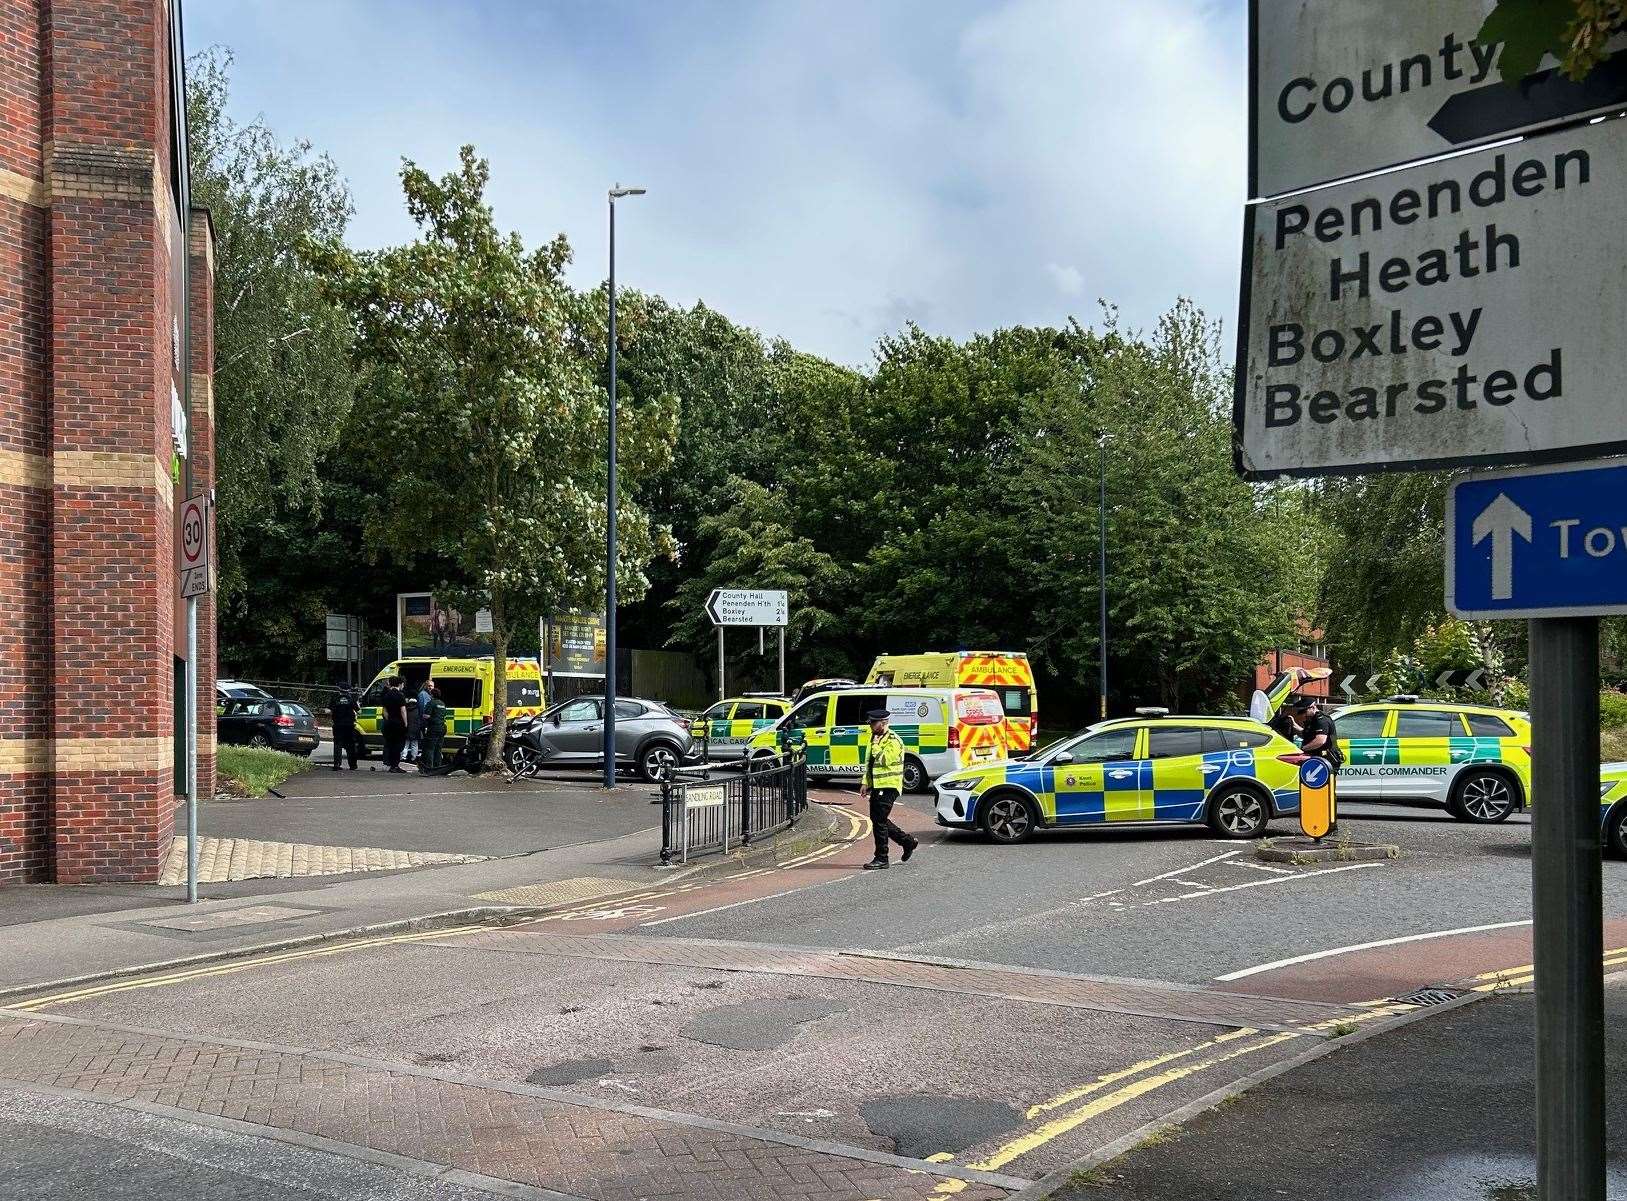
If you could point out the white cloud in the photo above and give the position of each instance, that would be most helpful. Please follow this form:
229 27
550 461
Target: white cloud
822 172
1068 280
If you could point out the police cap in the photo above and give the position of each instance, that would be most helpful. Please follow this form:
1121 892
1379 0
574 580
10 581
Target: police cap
877 715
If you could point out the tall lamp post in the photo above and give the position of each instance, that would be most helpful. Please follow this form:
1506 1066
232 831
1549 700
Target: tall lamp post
1101 443
616 193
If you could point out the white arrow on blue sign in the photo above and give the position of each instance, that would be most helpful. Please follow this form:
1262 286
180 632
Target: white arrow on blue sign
1542 542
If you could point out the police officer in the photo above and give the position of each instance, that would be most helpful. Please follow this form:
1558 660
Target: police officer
883 781
394 726
1317 736
433 716
344 727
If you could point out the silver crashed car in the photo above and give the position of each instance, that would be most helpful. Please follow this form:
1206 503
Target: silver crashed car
649 737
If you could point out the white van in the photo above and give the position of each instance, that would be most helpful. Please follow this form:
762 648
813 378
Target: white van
943 730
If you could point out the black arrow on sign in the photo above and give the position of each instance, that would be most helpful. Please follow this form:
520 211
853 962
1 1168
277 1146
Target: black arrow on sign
1497 108
711 606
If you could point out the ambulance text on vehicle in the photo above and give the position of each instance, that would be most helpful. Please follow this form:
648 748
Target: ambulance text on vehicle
1007 673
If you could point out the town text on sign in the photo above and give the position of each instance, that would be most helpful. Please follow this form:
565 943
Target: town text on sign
1466 310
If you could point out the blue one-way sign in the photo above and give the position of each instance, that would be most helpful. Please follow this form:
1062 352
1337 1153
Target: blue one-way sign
1545 542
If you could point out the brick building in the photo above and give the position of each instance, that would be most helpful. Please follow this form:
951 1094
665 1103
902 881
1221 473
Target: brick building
106 277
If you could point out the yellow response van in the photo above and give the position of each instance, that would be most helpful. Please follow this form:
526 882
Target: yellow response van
466 690
1006 673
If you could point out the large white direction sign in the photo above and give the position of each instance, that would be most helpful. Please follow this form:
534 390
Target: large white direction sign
1469 310
748 607
1341 87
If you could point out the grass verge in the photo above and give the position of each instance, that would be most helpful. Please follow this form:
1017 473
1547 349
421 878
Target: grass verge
249 771
1613 745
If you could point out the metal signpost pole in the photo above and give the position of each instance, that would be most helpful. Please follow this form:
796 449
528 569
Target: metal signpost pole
722 692
1102 567
1567 931
782 660
192 750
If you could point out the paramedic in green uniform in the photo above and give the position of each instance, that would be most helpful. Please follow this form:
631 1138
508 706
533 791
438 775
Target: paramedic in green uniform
883 781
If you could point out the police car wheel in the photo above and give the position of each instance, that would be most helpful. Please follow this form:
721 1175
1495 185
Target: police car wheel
1483 797
914 775
1007 818
1615 833
1238 813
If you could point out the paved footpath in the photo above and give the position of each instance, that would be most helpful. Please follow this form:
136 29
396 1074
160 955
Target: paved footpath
537 1137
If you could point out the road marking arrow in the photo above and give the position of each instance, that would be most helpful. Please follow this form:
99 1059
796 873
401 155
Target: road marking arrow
1500 521
1344 686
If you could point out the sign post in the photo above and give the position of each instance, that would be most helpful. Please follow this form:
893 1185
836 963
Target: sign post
194 572
1457 313
748 607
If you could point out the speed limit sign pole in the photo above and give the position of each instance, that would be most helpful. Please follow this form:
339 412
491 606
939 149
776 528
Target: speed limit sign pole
194 583
1316 804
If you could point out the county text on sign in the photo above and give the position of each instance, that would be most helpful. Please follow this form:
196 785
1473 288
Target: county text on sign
1342 87
1463 311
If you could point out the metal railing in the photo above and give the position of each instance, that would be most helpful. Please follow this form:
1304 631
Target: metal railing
699 817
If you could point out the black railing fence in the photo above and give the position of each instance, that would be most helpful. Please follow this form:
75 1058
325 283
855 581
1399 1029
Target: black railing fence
699 817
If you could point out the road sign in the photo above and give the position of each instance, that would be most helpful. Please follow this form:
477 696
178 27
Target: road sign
1548 542
194 547
344 638
1457 312
748 607
1342 87
1316 811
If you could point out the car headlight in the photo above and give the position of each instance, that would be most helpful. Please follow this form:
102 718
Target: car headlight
957 785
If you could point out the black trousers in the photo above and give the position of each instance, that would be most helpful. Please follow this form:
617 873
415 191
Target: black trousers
344 744
432 740
395 737
881 809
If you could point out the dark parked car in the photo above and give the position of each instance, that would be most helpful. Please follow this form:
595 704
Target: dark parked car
279 725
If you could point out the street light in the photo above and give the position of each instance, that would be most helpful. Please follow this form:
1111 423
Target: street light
1101 443
616 193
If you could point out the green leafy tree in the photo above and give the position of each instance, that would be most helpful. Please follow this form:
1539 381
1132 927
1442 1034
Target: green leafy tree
483 419
1573 31
283 381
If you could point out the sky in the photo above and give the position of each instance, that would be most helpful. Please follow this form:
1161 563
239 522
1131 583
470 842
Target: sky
820 170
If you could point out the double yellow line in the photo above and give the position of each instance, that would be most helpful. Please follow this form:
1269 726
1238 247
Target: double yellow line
856 825
1518 977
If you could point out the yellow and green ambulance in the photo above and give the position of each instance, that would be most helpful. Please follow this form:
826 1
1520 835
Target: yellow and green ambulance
726 728
466 689
1007 674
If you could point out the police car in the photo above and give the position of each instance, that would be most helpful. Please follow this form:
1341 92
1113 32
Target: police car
727 727
1231 773
1472 759
1613 807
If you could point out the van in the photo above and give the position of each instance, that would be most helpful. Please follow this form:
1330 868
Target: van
943 730
466 690
1007 673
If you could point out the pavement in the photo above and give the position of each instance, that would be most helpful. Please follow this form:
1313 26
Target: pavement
1437 1111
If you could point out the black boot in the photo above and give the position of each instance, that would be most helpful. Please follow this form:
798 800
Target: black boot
875 865
909 849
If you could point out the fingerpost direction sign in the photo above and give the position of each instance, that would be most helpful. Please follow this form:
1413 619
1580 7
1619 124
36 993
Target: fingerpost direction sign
748 607
1344 87
1548 542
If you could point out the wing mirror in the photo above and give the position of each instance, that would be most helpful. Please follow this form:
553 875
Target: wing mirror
1063 759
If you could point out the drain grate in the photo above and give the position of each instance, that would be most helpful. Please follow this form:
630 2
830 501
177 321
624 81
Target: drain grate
1433 995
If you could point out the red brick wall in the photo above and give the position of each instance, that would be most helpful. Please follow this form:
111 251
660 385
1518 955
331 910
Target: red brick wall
87 511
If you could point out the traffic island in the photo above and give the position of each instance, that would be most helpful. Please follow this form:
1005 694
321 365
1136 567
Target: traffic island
1297 849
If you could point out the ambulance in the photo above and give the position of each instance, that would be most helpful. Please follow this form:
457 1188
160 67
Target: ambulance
943 730
1007 673
466 690
728 726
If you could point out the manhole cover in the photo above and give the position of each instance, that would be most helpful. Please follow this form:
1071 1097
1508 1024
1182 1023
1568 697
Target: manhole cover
1434 995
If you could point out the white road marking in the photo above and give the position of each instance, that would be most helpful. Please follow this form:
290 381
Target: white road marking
1180 870
717 908
1193 883
1366 946
1209 892
1264 867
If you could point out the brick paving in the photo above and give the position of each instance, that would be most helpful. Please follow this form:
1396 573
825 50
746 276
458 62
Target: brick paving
1140 997
507 1133
224 859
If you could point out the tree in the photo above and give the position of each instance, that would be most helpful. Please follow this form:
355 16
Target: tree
283 376
1573 31
480 409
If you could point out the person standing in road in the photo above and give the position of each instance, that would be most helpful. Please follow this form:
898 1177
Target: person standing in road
394 704
883 782
432 713
344 727
1320 738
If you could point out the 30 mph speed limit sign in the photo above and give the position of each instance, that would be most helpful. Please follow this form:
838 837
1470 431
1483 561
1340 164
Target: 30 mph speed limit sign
195 547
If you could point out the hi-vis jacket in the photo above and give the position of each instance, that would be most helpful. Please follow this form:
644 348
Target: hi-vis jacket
884 767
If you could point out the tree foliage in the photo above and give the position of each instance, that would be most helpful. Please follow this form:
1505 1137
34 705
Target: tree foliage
484 422
1573 31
